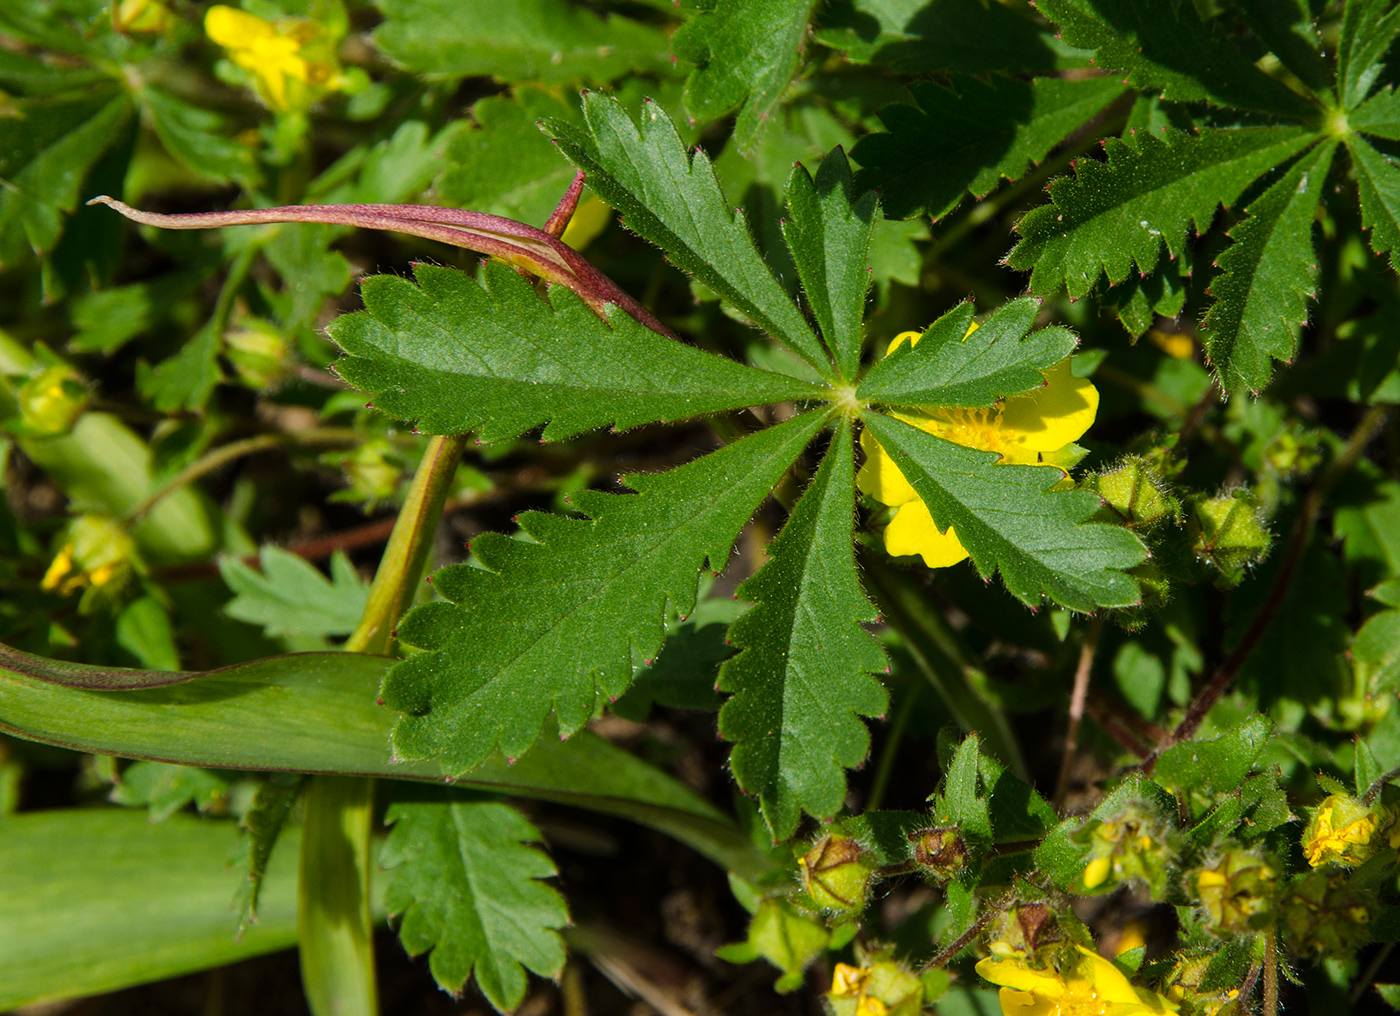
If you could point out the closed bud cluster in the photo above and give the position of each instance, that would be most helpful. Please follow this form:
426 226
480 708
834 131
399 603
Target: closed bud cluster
1325 916
837 872
1228 533
51 401
1135 494
1347 831
1134 846
1238 892
878 986
940 852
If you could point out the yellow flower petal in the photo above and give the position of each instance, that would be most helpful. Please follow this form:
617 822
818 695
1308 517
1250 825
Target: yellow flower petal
1015 974
1096 871
1109 983
1048 418
1021 1003
880 477
235 29
912 531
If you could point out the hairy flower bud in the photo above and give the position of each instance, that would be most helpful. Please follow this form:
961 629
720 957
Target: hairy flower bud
96 555
1348 832
1228 533
51 401
940 852
1237 892
878 987
1134 846
836 872
1134 494
258 353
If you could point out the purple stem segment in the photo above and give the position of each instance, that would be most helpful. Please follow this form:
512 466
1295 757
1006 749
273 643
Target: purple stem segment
525 247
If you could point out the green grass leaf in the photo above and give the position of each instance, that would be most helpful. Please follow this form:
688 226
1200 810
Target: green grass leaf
560 619
1116 215
803 677
1267 277
829 236
47 147
1368 29
457 355
1164 46
670 196
1010 519
1378 180
949 367
290 596
551 41
466 885
971 136
745 52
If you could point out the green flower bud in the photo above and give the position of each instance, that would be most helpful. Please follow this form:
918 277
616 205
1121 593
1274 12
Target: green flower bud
1348 832
1027 929
1238 892
1134 494
1184 987
783 936
96 555
940 852
879 986
258 353
1294 452
372 470
1322 915
1228 533
1133 847
836 872
51 401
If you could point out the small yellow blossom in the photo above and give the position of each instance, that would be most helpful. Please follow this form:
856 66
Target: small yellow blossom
146 16
291 59
879 987
1348 832
1092 987
1039 426
1175 344
97 553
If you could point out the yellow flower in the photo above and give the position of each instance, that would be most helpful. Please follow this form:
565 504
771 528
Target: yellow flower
290 59
1345 831
1039 426
1094 987
97 553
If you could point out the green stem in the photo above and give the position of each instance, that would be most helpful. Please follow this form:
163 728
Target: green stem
225 454
409 543
1270 974
334 926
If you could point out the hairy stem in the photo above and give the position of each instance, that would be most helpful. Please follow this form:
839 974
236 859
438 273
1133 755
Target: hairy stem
1076 707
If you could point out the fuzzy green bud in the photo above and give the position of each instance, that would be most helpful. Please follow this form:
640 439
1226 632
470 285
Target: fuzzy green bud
1324 916
1237 892
879 986
1027 929
96 556
940 852
1228 533
1347 831
1133 847
372 470
1134 494
258 353
836 872
51 401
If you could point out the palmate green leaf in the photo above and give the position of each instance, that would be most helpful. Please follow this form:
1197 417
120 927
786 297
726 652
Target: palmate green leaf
1267 277
745 53
1286 27
185 380
917 36
467 886
1163 45
199 138
1368 29
1139 299
290 596
458 355
46 149
1117 215
163 789
560 620
829 236
1009 519
552 41
803 677
1378 181
969 137
949 367
671 197
1378 115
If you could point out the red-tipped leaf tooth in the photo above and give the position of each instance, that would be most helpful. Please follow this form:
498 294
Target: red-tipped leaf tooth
518 245
564 211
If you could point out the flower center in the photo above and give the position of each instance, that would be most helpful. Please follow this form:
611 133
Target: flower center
1081 999
971 428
